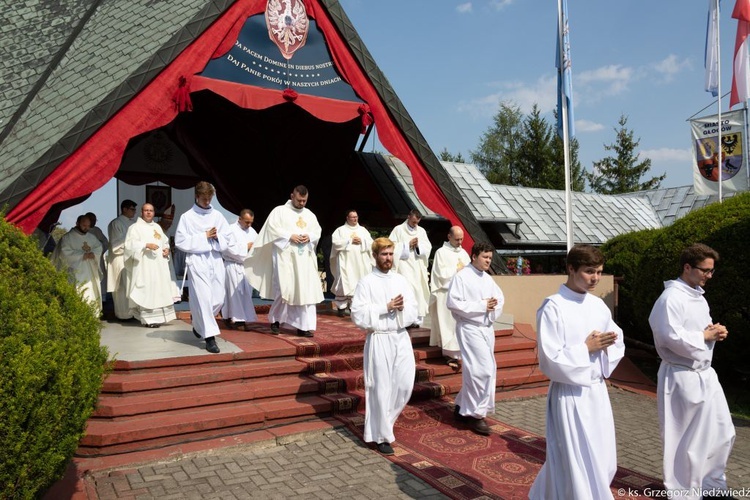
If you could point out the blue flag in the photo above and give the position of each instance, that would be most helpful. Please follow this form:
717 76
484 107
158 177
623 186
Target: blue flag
711 56
564 73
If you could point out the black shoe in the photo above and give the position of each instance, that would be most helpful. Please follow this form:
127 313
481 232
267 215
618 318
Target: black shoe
457 414
211 345
413 325
153 325
385 448
480 427
275 328
197 335
340 313
304 333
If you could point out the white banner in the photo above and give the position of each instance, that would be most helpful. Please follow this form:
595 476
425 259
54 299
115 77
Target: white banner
707 162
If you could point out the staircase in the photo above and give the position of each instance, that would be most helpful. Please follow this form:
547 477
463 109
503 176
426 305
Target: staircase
273 381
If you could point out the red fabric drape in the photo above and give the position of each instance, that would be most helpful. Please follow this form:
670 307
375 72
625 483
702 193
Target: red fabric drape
97 160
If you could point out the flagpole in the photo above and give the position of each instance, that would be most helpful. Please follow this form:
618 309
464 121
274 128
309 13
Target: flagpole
566 139
717 25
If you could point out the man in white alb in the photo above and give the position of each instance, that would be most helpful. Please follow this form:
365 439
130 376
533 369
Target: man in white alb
449 259
579 346
283 265
78 253
351 259
150 285
383 305
412 252
238 307
117 276
203 234
476 302
696 427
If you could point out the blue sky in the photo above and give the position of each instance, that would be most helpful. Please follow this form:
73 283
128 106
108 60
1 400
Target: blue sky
452 62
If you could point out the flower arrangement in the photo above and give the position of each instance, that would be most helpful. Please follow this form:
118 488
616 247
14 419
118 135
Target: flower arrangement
512 264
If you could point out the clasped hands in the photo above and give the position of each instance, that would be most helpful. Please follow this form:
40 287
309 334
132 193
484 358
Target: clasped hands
598 341
491 304
299 239
396 302
715 331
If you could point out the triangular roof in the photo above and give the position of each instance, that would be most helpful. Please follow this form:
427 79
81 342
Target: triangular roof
104 60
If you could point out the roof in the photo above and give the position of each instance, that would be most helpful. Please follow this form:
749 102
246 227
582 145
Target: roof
671 204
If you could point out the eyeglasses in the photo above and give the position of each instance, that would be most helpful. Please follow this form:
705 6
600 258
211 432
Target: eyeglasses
705 272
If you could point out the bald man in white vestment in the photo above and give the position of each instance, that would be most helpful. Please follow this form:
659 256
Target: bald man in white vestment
203 234
579 347
238 307
351 259
283 265
476 302
383 305
449 259
78 253
150 285
696 427
412 253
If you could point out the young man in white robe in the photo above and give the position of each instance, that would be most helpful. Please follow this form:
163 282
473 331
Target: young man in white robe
78 253
283 265
476 302
695 423
238 307
203 234
351 259
412 253
449 259
383 305
579 347
117 276
150 286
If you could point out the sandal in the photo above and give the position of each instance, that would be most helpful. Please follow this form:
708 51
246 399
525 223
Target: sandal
453 363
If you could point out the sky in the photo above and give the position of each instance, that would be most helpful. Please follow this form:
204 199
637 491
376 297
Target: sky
453 62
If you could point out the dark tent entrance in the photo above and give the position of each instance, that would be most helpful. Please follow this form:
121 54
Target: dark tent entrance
256 157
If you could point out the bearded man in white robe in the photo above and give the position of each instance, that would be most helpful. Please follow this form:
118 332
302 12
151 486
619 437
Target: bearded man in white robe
283 265
383 305
695 423
117 276
150 285
579 347
412 253
351 259
203 234
238 307
476 302
449 259
78 253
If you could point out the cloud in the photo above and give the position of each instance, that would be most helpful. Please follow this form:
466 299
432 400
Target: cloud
667 154
500 4
588 126
669 67
542 93
606 81
463 8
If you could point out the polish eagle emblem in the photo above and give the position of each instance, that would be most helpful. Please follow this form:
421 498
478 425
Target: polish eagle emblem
287 25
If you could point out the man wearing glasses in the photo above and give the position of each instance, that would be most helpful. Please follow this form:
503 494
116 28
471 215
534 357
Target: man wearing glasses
117 276
696 427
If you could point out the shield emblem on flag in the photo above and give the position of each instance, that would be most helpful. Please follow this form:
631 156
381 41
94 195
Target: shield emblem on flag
287 25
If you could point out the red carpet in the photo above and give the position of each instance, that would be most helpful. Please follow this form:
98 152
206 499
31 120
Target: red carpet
464 465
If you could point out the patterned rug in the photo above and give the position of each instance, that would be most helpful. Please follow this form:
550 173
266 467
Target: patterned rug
463 465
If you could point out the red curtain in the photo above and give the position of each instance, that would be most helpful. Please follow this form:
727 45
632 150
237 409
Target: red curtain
95 162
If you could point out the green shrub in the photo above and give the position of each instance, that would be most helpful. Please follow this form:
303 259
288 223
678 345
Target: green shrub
723 226
51 367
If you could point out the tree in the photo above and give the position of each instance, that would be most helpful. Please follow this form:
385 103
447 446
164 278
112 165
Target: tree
622 173
500 146
445 155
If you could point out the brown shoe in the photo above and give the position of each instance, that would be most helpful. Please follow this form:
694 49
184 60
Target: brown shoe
480 427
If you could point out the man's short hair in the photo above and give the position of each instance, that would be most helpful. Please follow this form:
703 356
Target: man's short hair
204 187
584 255
301 190
479 247
247 211
697 253
381 243
127 204
80 218
415 213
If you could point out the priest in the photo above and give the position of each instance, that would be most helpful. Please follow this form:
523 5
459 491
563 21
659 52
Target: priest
117 276
238 307
412 252
351 259
283 265
150 287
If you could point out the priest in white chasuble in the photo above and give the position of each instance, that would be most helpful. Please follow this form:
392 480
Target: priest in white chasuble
351 259
412 253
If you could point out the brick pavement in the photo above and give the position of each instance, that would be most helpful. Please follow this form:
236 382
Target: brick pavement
335 464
